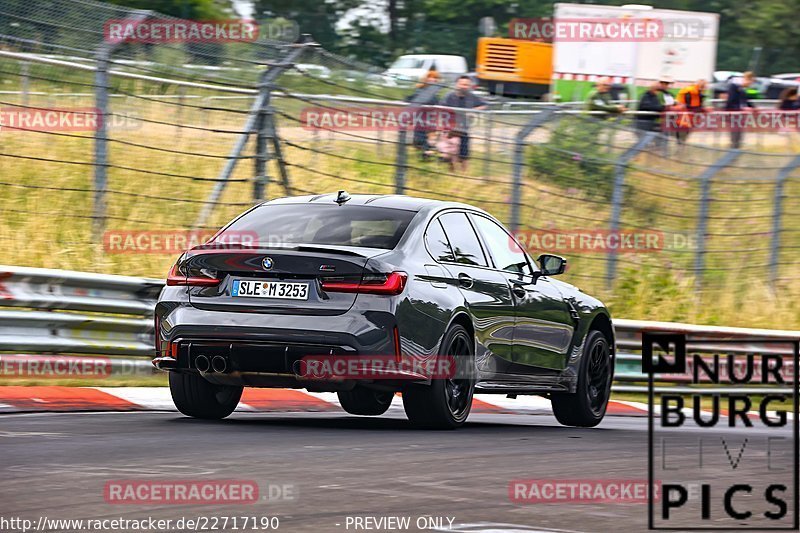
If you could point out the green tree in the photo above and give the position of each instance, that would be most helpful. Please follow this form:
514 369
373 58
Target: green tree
451 26
315 17
185 9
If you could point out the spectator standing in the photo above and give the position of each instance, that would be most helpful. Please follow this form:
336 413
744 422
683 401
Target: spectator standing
651 106
653 103
424 97
666 97
463 97
690 100
600 99
737 100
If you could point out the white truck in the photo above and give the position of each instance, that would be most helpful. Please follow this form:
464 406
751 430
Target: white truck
685 50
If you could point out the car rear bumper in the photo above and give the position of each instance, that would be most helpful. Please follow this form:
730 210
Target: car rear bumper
266 350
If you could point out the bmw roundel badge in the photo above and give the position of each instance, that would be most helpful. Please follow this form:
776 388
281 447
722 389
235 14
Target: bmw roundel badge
267 263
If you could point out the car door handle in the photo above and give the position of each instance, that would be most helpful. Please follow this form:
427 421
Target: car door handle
465 281
519 291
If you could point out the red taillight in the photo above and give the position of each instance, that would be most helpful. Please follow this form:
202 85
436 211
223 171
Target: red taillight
388 284
176 277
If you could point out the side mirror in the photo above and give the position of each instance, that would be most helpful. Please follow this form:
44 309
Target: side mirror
552 265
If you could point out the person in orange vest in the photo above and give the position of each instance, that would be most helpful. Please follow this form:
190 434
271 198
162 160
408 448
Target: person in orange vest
692 97
690 100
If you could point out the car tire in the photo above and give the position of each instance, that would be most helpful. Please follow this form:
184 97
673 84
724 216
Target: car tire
445 403
586 407
196 397
364 401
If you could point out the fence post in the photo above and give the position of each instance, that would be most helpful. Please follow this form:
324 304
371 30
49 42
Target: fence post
519 163
487 142
25 82
617 197
777 213
100 143
261 178
276 146
702 217
103 58
259 105
401 161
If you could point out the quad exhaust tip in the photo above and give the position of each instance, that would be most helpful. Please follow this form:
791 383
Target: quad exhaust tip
216 364
202 363
219 364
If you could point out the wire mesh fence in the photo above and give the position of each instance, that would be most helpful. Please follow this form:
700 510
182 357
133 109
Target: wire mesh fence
195 133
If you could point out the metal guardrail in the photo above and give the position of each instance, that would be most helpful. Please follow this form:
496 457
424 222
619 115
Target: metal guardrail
628 375
65 312
74 312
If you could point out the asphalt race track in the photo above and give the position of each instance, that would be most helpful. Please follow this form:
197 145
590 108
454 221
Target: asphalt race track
337 466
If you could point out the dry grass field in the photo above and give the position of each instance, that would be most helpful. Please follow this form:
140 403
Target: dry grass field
158 167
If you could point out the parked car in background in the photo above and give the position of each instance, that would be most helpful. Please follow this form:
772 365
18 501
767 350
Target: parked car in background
412 67
777 84
720 80
769 88
792 76
318 71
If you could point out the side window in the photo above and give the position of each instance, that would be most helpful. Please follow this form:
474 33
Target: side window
503 248
437 242
465 244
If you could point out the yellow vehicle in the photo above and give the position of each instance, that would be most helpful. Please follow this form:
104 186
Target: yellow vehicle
513 67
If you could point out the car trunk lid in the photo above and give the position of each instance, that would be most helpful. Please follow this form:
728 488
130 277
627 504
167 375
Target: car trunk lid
275 280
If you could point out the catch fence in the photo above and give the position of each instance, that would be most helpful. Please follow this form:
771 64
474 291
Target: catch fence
192 134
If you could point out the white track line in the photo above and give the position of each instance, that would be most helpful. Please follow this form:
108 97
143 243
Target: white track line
160 399
151 398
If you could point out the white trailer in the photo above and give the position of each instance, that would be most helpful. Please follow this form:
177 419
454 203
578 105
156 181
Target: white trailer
685 50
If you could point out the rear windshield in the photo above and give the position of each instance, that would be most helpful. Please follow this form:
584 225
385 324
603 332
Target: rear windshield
355 225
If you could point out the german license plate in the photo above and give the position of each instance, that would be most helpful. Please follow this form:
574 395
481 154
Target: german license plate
284 290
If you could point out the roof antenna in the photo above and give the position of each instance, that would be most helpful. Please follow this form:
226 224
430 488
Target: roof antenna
342 197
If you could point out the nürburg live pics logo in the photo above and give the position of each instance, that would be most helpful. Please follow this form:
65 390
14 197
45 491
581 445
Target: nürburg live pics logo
722 432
